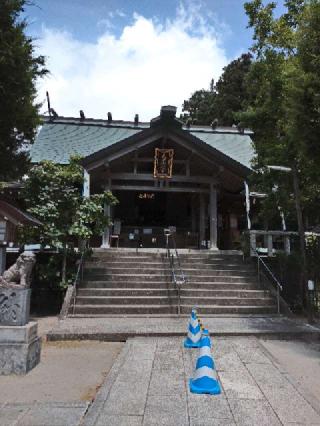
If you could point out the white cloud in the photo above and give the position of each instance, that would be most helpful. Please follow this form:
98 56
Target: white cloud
150 64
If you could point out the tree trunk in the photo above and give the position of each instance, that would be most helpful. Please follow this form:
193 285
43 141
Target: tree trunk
301 230
64 264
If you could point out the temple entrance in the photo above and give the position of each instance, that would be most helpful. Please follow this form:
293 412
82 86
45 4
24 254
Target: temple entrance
145 214
166 176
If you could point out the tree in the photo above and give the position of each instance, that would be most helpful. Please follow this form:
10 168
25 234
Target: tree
283 106
52 194
19 69
224 99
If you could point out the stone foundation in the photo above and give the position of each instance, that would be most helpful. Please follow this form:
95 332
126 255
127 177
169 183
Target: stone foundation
20 348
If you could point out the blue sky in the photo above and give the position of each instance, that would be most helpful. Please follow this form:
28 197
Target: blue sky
131 56
84 18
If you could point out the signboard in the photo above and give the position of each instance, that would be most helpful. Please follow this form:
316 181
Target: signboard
163 162
146 196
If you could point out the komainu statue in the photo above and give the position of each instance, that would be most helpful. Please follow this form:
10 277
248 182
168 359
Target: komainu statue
19 274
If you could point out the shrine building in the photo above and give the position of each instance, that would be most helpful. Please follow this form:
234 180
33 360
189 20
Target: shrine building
164 174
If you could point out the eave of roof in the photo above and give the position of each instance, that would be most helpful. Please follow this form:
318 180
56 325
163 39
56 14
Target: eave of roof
17 215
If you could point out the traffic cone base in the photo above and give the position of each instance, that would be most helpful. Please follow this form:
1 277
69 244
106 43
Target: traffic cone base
189 344
205 385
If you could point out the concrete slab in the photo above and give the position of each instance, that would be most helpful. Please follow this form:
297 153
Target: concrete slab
255 390
207 406
248 412
148 385
120 421
10 415
57 414
284 398
166 410
299 362
210 422
239 385
121 328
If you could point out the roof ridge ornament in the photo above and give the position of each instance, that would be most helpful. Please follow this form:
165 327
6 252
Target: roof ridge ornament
167 117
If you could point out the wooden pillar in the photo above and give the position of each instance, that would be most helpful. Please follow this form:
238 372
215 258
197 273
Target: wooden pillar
213 218
201 220
86 184
193 214
106 233
107 212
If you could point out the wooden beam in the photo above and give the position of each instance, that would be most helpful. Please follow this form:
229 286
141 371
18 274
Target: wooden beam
158 189
151 160
124 151
193 150
175 178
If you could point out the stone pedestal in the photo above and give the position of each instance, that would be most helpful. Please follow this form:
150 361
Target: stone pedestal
14 306
20 348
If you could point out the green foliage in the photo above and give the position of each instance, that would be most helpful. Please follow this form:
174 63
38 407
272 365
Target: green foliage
224 98
19 69
52 194
283 106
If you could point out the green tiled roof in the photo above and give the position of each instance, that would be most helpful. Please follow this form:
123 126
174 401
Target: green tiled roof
234 145
57 141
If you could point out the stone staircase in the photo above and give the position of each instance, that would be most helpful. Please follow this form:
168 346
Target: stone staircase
118 282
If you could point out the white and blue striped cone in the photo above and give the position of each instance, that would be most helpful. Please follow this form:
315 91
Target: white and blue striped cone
194 332
205 378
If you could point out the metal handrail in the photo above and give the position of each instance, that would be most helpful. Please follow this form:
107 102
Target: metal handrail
275 279
174 276
78 278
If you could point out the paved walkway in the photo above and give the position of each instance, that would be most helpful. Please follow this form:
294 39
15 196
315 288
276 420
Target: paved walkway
42 414
122 328
148 385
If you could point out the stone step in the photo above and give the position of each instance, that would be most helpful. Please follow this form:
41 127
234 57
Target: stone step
87 310
187 292
167 278
129 283
163 264
165 285
165 269
164 300
190 274
158 256
123 292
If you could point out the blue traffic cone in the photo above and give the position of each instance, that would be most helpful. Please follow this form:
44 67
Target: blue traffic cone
205 378
194 332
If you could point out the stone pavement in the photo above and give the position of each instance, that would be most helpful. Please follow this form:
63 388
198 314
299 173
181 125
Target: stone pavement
42 414
115 328
148 385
